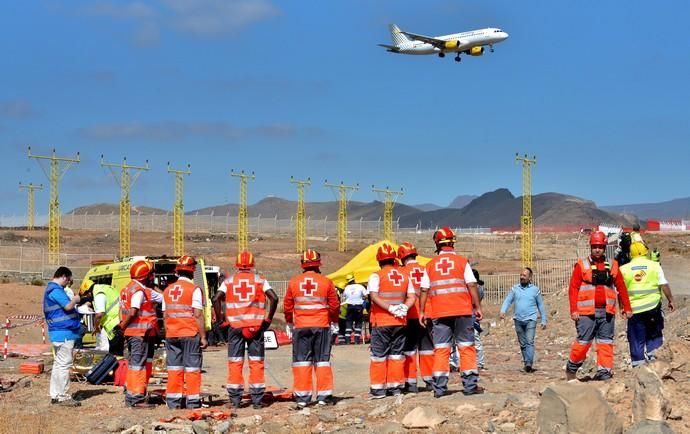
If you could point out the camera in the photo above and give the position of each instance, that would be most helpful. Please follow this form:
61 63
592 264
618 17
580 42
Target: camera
601 277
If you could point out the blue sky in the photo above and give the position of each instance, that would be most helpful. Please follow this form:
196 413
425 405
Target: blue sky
597 90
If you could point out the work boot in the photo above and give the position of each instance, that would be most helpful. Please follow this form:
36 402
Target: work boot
66 402
476 391
602 375
528 368
569 375
141 406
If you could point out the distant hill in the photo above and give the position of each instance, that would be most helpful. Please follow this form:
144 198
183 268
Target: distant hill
113 208
671 209
497 208
427 206
462 200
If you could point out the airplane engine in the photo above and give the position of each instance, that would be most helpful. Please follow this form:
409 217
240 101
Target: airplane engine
452 44
475 51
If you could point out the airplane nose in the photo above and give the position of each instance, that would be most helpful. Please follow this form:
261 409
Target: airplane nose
505 35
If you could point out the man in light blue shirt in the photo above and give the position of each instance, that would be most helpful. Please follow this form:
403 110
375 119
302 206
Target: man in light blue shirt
528 300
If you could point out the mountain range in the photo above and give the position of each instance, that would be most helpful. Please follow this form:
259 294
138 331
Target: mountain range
498 208
671 209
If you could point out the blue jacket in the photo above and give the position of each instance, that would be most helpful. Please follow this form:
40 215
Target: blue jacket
528 301
62 324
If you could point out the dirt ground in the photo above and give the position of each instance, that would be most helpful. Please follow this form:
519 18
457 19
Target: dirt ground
510 404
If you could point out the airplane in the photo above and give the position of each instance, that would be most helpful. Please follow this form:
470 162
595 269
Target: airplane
471 43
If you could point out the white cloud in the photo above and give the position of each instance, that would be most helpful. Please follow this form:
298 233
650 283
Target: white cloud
131 10
213 17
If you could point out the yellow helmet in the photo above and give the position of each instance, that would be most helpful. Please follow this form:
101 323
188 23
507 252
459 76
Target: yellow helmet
638 249
85 285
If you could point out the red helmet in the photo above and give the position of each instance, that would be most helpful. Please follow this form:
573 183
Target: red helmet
406 249
244 260
141 270
445 235
311 258
598 238
186 263
385 252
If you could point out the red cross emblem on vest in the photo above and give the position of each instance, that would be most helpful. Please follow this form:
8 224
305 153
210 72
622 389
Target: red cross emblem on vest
395 277
444 266
243 290
176 293
308 287
416 275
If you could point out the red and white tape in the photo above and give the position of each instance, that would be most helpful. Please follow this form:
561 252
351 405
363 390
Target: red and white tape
7 339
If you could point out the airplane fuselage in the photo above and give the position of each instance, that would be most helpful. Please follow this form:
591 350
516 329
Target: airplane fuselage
466 40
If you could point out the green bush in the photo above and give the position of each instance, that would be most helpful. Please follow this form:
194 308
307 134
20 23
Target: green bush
37 281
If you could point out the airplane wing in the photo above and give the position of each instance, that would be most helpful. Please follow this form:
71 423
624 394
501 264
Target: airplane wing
428 39
391 48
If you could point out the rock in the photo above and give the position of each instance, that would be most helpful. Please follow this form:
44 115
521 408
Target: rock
136 429
200 427
222 427
327 416
507 427
171 427
423 417
650 401
576 408
297 420
466 409
504 416
650 427
248 420
274 428
117 425
378 411
305 411
391 428
319 428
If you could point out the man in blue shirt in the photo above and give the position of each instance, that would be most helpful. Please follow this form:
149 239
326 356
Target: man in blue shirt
64 327
528 300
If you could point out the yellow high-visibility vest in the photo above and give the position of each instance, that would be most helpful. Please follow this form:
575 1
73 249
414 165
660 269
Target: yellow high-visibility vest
641 277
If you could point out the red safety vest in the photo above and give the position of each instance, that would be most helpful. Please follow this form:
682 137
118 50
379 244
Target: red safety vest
448 290
309 291
179 313
145 323
415 273
587 291
393 283
245 301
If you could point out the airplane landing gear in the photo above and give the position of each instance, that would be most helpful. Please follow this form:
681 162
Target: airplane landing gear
441 55
491 48
458 58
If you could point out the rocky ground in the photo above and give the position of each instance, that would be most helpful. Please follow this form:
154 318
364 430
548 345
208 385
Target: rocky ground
514 402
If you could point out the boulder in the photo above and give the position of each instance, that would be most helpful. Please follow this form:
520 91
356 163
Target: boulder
576 408
650 427
422 417
650 401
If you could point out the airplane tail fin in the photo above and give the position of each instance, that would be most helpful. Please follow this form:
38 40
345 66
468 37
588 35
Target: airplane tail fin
398 37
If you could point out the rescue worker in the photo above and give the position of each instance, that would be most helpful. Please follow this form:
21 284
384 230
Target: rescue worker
106 305
635 235
622 254
655 255
594 286
312 305
418 343
342 319
245 294
138 320
644 278
452 289
392 295
185 336
354 295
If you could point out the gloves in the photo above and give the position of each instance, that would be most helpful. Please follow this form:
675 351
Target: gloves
265 324
289 328
398 310
334 328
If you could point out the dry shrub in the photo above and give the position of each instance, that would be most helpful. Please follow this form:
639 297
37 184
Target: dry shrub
12 422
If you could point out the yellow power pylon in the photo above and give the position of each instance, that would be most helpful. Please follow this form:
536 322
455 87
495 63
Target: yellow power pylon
178 209
126 180
526 219
30 188
242 223
56 172
389 199
301 215
344 191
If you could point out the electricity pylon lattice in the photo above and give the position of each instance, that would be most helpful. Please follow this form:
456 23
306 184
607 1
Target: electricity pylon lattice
343 196
178 209
389 199
526 219
301 216
242 220
126 180
57 170
30 212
